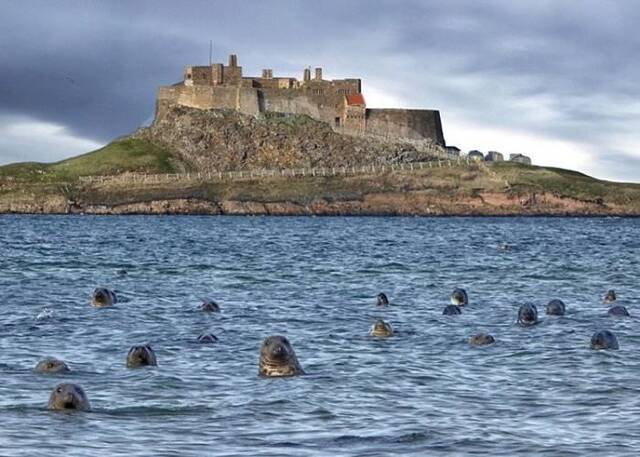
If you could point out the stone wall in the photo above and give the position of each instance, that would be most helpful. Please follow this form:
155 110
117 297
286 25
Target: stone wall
242 99
405 123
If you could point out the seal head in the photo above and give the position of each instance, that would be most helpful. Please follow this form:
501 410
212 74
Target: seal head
381 329
528 315
382 300
141 356
68 396
51 365
618 311
481 339
604 339
555 308
277 358
207 338
451 310
103 297
209 306
610 296
459 297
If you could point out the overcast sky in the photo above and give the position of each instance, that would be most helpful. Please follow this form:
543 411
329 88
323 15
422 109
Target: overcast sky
557 80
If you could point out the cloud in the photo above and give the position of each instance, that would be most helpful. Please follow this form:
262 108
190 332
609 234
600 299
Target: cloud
23 139
557 78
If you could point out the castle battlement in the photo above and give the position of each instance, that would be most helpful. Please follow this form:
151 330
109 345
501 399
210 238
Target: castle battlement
338 102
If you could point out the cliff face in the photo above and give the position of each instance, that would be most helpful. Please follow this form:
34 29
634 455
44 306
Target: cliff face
225 140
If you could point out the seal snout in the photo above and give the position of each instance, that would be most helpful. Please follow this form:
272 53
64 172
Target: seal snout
528 314
277 358
103 297
459 297
68 396
604 339
140 356
382 299
279 352
69 401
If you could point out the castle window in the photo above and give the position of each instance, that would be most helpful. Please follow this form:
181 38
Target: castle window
337 122
188 75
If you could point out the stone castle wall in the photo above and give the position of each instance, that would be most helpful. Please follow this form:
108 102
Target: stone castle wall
415 124
241 99
223 86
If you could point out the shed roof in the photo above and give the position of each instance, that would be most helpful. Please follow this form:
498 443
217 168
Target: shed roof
355 99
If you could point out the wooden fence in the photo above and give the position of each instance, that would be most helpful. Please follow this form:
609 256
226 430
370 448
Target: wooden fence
134 178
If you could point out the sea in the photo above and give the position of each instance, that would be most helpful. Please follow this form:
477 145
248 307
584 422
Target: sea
539 390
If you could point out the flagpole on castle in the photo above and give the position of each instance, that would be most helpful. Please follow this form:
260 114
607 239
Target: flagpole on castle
210 51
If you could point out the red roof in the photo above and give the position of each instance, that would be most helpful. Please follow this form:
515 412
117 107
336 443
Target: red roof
355 99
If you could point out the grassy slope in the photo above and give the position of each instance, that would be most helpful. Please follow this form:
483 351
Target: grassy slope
565 182
117 157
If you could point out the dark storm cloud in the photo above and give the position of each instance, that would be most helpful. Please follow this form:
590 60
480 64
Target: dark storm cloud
559 69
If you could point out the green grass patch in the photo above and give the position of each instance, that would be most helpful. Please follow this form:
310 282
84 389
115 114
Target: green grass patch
120 156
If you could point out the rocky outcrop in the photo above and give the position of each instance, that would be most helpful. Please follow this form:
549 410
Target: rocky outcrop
412 203
226 140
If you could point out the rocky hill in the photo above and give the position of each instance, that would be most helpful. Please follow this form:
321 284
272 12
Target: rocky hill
223 140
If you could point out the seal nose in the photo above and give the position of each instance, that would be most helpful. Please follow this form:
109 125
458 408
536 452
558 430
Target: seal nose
279 352
68 400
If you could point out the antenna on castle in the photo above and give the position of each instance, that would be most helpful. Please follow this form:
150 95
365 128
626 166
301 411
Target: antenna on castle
210 51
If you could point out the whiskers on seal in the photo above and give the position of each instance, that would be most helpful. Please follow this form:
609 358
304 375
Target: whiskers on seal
67 396
141 356
277 358
103 297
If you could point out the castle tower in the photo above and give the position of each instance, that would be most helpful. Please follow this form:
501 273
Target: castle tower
233 60
307 75
318 74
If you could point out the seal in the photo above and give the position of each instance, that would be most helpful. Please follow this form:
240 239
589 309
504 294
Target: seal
207 338
459 297
610 296
141 356
604 339
67 396
277 358
382 300
209 306
555 308
528 315
618 311
504 247
481 339
381 329
103 297
51 365
451 310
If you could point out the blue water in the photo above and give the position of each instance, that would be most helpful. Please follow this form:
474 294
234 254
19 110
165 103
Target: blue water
424 391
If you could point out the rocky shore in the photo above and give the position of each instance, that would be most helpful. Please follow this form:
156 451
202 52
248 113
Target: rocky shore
395 194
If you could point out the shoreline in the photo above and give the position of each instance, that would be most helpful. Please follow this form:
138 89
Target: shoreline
470 190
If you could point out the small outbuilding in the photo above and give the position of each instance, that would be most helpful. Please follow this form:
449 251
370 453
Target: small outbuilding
494 156
453 151
519 158
476 155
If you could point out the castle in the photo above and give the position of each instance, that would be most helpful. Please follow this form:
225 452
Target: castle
338 102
